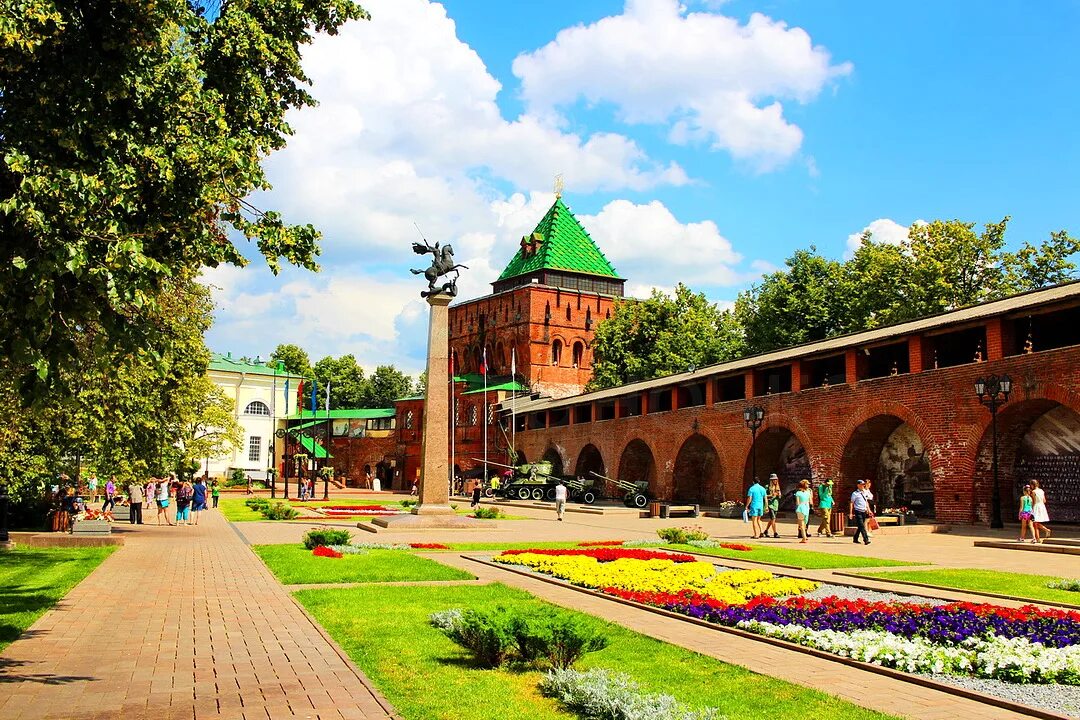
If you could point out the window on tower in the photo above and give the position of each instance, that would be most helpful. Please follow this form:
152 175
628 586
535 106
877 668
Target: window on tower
556 352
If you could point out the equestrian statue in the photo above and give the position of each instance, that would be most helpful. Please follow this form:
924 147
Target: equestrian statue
442 263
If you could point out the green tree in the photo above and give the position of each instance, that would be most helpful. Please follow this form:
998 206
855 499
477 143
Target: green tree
133 134
294 358
348 387
420 388
660 336
206 426
386 385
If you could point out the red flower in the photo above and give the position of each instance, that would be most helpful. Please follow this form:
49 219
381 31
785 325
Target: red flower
736 546
429 546
601 543
607 554
323 551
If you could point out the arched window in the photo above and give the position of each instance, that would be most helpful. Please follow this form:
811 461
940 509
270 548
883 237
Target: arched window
257 407
578 353
556 352
472 414
408 420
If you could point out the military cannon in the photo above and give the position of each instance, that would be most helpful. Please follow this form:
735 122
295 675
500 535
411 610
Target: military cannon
530 480
634 494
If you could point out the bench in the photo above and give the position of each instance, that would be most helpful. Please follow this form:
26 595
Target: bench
683 510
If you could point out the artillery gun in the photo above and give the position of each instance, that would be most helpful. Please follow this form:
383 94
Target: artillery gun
529 480
634 494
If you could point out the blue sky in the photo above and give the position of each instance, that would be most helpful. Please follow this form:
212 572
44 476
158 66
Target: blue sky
701 144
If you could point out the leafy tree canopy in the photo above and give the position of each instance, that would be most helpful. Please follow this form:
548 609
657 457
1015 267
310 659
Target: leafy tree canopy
662 335
293 357
387 384
132 134
348 386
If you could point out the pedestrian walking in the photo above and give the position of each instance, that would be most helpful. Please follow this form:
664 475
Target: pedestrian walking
215 492
860 510
755 507
477 492
249 490
184 493
163 501
560 500
871 508
92 483
198 498
1039 514
110 491
135 498
772 504
1026 514
802 509
825 504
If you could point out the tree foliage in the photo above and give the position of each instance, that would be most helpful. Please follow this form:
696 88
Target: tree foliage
349 388
387 384
662 335
206 425
941 266
294 358
132 134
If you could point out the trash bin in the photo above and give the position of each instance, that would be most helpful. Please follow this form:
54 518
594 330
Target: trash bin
654 509
838 522
664 511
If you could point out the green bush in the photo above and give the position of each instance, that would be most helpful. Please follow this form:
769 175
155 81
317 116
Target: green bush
326 536
236 477
257 503
487 513
559 638
682 535
496 636
407 503
279 511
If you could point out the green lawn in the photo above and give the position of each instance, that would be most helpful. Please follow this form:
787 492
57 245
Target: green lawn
1032 587
295 565
32 580
235 510
804 559
425 676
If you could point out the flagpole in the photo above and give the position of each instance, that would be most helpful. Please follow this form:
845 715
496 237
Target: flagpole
513 405
273 430
453 428
484 424
329 444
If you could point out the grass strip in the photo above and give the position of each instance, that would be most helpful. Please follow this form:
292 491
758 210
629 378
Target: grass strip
294 565
32 580
425 676
235 510
1019 585
804 559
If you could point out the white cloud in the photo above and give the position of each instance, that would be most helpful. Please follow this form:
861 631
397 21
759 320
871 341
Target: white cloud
883 230
709 77
647 244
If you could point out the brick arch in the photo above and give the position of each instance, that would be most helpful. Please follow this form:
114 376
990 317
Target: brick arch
774 425
698 475
590 457
640 464
876 408
1014 420
556 454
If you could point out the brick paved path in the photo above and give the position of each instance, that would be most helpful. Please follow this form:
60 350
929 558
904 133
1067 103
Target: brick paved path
181 622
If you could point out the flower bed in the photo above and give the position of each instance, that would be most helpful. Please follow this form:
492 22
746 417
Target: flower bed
601 543
351 510
605 554
429 546
659 575
323 551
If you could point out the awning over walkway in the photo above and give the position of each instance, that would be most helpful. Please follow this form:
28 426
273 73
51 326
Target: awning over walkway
314 448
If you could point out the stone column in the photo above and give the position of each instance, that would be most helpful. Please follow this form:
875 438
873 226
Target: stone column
435 444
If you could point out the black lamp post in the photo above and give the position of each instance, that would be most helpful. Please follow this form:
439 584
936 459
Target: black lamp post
753 416
4 498
993 391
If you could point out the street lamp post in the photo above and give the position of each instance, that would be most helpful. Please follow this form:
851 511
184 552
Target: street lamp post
4 498
753 416
993 391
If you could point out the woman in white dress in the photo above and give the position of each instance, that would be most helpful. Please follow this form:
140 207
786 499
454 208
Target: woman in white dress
1039 514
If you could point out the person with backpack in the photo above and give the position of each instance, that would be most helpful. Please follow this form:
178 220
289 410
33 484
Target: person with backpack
198 498
184 494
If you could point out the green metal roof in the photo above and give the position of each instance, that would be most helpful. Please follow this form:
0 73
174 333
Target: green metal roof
227 363
314 448
563 245
509 386
345 414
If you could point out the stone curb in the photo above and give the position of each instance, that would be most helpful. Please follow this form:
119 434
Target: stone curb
859 665
998 596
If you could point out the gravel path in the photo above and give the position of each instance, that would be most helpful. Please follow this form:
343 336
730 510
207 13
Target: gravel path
1064 699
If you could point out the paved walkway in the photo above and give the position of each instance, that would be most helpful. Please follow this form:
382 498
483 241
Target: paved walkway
181 622
860 687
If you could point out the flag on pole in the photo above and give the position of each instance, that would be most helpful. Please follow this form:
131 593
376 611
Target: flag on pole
483 364
300 398
286 397
314 391
327 398
513 363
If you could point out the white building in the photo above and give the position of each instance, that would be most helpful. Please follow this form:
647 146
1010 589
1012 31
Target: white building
262 396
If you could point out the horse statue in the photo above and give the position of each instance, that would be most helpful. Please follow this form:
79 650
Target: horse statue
442 263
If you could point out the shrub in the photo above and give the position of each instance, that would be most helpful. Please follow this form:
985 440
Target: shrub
326 536
682 535
348 549
279 511
486 634
605 695
1065 584
257 503
487 513
407 503
559 638
236 477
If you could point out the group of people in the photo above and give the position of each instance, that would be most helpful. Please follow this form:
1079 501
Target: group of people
190 497
763 504
1033 513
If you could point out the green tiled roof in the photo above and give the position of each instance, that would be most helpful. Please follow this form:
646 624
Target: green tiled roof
345 414
227 363
314 448
509 386
563 245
